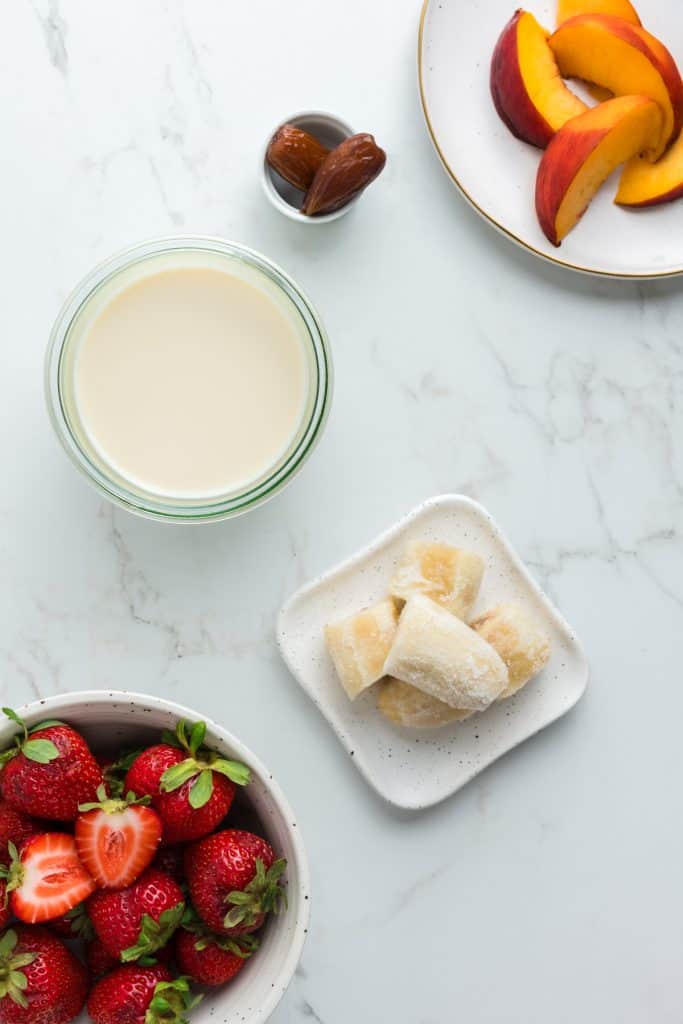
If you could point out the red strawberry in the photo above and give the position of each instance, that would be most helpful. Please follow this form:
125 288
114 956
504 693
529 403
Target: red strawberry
99 961
114 771
48 772
117 839
171 860
46 879
139 920
234 881
14 827
191 787
211 959
73 925
140 995
5 912
41 982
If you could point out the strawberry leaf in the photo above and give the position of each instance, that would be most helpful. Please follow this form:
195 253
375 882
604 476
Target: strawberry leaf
49 723
22 960
261 896
170 739
13 717
126 761
7 943
171 1000
181 732
178 774
201 790
114 805
13 982
243 947
80 923
15 874
197 737
14 991
18 739
236 772
40 751
154 934
114 774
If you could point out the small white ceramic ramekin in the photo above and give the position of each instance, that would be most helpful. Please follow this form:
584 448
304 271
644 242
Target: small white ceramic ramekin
112 719
329 130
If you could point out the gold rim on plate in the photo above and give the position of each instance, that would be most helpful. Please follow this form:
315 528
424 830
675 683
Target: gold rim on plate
487 216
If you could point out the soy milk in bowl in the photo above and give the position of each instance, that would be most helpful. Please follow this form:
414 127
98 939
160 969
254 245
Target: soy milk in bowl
188 378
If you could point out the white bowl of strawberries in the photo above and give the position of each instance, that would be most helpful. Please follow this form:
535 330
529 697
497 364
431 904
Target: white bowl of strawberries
150 867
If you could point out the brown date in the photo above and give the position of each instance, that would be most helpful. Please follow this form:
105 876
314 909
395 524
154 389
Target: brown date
296 155
344 173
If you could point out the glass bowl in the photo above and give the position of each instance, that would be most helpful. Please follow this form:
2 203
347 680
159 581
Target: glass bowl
59 366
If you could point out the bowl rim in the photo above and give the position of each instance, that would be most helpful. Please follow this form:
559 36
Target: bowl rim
280 983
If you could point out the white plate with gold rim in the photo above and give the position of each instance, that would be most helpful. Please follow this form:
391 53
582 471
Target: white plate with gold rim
496 172
417 768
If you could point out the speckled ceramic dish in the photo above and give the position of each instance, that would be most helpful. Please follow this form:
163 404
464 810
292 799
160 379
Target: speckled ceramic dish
417 768
110 719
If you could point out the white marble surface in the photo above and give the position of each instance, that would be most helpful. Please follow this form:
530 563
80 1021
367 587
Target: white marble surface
549 889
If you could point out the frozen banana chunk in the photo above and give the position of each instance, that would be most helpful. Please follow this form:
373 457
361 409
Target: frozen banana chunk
404 705
520 641
359 646
450 576
440 655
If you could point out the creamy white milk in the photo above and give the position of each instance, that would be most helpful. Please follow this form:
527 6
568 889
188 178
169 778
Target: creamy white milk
190 378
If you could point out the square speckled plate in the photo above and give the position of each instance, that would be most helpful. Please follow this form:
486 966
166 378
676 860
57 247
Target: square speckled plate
415 768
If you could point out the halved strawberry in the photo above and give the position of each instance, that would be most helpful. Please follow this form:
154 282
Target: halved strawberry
46 879
117 839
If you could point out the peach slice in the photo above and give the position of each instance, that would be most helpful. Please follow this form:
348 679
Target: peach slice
625 59
598 92
526 85
567 9
647 184
584 153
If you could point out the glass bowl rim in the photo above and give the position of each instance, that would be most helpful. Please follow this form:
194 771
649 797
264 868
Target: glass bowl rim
223 507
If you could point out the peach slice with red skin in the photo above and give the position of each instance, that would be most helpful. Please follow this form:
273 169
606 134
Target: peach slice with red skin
585 152
526 85
625 59
567 9
647 184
